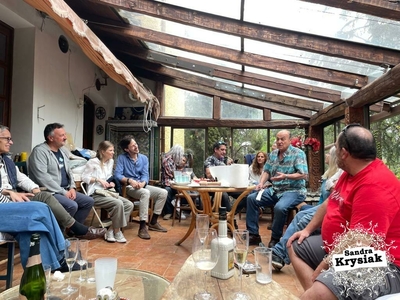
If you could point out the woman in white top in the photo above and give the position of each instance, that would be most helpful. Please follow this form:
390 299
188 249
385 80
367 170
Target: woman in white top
97 171
257 166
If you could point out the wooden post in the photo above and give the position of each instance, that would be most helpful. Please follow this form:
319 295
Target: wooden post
315 159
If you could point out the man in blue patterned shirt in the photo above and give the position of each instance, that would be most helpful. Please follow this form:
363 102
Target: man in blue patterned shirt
287 169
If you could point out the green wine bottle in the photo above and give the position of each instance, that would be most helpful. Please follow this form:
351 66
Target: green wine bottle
33 281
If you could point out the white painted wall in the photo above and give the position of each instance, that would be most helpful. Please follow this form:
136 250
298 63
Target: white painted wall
44 78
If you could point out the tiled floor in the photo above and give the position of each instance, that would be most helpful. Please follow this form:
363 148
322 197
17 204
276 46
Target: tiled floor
161 256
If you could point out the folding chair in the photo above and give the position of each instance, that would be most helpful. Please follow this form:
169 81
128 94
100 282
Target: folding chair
104 224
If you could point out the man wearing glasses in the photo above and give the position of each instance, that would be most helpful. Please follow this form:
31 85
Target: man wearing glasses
366 196
287 169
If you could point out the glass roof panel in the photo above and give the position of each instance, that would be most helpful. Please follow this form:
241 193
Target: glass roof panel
337 23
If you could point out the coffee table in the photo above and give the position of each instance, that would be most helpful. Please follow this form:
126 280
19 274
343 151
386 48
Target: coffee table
209 208
130 284
189 281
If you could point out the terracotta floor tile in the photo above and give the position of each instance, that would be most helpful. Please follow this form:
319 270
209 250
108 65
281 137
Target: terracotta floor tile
160 255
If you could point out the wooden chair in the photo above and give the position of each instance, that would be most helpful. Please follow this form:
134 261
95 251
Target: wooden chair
105 223
8 277
135 211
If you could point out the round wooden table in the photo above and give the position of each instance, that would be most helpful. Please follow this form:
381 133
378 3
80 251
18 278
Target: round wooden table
209 208
130 284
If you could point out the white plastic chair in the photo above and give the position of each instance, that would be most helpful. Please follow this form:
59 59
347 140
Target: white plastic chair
103 224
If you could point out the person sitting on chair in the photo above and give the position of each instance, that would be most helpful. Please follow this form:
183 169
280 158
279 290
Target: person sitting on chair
96 175
133 170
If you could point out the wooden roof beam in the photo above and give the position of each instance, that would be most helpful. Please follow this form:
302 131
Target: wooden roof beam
385 86
296 40
244 58
205 90
268 82
269 97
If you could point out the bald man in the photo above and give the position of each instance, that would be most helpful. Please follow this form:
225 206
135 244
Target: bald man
287 170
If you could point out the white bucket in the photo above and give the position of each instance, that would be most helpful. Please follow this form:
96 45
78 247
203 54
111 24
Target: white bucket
236 175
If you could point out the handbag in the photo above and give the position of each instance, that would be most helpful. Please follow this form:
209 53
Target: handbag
107 193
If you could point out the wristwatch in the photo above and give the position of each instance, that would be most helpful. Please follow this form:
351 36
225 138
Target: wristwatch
286 177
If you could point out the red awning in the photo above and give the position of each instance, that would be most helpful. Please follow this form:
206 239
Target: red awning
96 51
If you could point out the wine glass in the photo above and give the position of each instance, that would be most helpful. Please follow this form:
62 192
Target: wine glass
241 246
71 252
202 224
82 257
205 255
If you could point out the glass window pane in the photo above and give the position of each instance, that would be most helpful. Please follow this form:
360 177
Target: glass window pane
181 103
231 110
2 47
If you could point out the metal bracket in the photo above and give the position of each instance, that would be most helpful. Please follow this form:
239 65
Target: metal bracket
239 90
177 63
38 112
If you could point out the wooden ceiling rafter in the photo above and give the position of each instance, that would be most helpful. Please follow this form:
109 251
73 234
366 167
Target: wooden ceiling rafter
210 83
245 77
297 40
205 90
248 59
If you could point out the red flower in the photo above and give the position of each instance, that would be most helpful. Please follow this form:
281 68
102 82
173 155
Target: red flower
312 143
296 142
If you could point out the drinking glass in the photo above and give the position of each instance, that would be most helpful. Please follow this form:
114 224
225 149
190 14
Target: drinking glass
47 272
90 270
202 224
205 255
82 257
71 252
241 246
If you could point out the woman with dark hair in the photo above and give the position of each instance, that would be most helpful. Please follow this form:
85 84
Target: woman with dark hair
96 175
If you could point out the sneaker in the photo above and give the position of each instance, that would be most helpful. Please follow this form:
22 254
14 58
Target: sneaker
183 217
119 237
157 227
144 234
167 216
254 239
109 236
277 262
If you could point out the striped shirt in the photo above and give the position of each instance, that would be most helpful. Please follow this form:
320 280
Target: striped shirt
294 161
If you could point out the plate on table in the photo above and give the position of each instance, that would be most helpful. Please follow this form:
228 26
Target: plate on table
180 183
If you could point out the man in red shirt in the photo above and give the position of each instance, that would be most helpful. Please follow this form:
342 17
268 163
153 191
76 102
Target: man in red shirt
367 194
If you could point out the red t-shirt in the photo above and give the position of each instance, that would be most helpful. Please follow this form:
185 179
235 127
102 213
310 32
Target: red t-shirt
372 195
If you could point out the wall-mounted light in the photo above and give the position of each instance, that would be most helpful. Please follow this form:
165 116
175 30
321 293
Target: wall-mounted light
98 84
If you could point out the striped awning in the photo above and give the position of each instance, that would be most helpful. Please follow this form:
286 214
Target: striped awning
96 51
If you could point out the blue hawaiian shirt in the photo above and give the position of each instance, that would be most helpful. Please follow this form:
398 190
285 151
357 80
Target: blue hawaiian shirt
294 161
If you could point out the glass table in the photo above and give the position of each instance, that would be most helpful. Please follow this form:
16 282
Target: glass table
130 284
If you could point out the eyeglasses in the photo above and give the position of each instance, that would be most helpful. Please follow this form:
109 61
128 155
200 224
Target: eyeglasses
6 138
344 130
221 143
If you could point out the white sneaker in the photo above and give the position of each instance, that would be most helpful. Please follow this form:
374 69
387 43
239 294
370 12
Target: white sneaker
119 237
167 216
109 236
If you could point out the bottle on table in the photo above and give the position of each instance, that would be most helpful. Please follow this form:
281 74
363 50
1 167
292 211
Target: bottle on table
33 280
224 268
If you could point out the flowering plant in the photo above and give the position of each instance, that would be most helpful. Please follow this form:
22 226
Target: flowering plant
312 143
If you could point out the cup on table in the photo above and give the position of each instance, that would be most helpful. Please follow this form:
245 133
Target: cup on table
263 260
178 176
90 276
105 269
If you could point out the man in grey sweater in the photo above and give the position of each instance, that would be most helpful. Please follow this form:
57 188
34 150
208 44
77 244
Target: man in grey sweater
48 166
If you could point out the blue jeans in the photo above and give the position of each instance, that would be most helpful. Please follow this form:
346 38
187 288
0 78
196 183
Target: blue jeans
168 207
299 222
22 219
78 208
287 201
